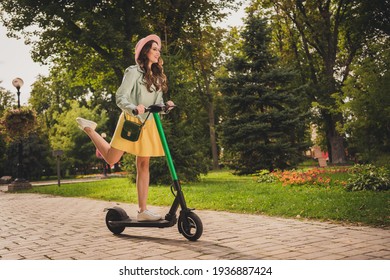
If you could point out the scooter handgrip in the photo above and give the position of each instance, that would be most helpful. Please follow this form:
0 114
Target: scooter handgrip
135 111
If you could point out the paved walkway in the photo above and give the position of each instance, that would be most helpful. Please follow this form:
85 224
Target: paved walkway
34 226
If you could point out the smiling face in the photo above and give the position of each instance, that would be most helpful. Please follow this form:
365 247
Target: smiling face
153 54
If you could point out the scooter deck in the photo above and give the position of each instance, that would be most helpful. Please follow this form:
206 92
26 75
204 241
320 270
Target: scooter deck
134 223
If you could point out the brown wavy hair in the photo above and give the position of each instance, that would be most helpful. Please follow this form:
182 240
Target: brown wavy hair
155 74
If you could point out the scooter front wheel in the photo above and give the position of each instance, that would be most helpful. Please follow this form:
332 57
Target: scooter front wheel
190 226
111 216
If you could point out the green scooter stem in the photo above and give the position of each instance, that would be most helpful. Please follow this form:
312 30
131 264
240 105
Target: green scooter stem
165 146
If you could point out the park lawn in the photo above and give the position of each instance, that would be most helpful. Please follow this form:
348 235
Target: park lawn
223 191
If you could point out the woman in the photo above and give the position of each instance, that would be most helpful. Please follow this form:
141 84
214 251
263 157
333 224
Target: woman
143 85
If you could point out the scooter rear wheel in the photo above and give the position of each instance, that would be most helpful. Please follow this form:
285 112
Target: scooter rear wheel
190 226
114 215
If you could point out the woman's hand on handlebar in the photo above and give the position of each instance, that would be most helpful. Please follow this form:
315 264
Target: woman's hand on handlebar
156 108
169 105
140 109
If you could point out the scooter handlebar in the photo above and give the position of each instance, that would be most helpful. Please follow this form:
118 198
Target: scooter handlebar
156 108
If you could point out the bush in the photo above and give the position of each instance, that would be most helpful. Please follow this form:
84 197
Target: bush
368 177
129 166
265 176
18 123
382 160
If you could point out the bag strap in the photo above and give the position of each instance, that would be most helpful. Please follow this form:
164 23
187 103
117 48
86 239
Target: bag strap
145 119
142 123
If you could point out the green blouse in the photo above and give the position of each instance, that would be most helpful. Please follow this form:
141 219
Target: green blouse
133 92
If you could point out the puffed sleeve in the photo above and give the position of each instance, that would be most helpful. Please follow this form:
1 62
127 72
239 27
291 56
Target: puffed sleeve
126 93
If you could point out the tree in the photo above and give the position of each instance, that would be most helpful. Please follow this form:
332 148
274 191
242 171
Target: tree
37 157
36 149
77 30
7 99
65 135
92 42
205 54
66 27
201 44
264 126
322 38
368 108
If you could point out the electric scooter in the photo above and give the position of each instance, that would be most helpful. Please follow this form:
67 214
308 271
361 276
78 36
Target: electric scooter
189 224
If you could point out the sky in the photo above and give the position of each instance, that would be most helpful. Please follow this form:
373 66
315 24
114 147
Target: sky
16 61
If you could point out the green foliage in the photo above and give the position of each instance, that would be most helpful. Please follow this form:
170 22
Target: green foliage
37 158
322 40
368 106
186 126
382 160
6 99
265 176
264 123
18 123
204 45
128 164
368 177
188 150
101 35
91 43
340 51
65 135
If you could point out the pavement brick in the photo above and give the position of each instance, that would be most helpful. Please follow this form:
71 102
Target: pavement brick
43 227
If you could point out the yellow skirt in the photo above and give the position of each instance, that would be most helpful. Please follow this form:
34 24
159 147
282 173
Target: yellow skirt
148 144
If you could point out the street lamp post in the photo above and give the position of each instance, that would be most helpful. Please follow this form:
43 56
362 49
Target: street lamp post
20 182
18 83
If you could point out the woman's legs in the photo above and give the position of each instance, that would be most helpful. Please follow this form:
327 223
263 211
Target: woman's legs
143 178
110 154
142 182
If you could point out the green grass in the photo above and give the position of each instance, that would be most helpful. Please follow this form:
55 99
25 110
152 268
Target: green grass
222 191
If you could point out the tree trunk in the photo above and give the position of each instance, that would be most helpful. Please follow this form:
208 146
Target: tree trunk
337 153
209 104
210 111
213 138
335 141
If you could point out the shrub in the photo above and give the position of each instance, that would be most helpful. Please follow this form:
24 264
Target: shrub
129 166
368 177
18 123
265 176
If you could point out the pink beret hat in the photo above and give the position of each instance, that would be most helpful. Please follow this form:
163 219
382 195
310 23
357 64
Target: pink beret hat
141 43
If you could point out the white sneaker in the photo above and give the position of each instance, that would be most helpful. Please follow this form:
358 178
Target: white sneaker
147 215
83 123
